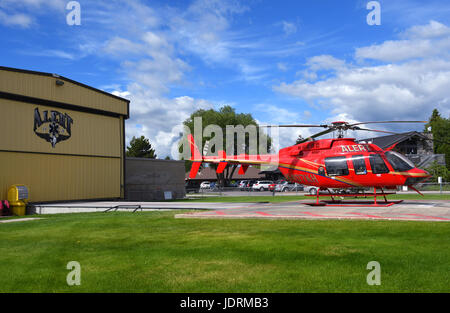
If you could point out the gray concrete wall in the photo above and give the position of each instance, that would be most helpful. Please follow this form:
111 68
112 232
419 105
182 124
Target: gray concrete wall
148 179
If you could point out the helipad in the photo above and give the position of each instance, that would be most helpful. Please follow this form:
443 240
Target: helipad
409 210
434 210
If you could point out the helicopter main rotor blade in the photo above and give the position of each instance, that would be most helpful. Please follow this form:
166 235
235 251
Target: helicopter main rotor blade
375 130
383 131
324 126
386 122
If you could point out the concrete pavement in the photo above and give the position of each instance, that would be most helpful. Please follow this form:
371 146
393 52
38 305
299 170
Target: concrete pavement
415 210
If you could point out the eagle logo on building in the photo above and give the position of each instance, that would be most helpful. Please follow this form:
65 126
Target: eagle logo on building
52 126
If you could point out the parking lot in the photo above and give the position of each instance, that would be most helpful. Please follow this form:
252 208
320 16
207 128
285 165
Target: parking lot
235 192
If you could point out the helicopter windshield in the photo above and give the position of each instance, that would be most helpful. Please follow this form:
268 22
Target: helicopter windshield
398 161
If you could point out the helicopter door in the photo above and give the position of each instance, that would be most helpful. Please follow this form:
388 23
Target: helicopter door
359 164
377 164
336 166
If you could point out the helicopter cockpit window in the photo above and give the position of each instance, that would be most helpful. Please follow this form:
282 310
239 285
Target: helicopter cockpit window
336 166
398 161
359 164
377 164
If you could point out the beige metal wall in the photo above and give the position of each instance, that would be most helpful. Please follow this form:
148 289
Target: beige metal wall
88 165
61 177
44 87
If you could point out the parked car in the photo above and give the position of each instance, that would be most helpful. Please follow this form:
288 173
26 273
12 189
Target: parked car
262 185
312 190
247 185
286 186
192 186
351 190
205 185
272 186
242 184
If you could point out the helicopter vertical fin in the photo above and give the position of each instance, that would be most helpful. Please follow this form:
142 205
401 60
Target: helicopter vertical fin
194 169
221 167
195 153
243 169
196 157
223 164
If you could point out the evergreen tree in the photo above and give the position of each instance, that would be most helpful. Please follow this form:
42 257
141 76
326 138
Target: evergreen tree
440 128
437 170
140 148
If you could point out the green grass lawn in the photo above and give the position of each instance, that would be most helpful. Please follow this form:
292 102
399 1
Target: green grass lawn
153 252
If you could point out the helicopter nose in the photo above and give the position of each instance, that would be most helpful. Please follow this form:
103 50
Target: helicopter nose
426 173
416 175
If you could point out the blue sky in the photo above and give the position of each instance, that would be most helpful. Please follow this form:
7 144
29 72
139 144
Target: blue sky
282 61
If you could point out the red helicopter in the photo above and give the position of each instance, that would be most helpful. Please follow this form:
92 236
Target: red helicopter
338 163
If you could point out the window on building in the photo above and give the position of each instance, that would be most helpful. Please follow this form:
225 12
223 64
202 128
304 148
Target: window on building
336 166
398 161
359 164
377 164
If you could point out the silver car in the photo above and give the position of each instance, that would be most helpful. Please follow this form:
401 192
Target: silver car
288 186
312 190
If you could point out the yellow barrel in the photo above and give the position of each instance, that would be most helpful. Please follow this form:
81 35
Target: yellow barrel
18 198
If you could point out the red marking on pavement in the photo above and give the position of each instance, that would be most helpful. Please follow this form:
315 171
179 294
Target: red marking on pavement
368 215
312 214
427 216
263 213
220 213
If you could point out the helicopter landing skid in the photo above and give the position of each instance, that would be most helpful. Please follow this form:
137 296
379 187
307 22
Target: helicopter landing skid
353 203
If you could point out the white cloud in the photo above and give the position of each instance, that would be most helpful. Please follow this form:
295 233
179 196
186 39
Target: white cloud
203 28
51 54
289 28
325 62
158 118
409 89
282 66
432 30
19 13
421 41
34 4
118 46
19 19
281 116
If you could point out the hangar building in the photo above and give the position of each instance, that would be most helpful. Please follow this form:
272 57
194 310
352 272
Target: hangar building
62 139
